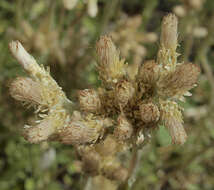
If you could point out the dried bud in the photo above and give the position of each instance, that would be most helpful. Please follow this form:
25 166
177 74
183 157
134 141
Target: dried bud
108 147
120 174
25 59
179 81
176 130
112 170
149 112
90 160
124 92
26 90
169 32
124 128
52 94
81 132
171 116
89 100
40 132
110 67
148 72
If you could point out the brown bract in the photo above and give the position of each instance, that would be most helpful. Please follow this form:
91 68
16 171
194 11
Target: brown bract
181 80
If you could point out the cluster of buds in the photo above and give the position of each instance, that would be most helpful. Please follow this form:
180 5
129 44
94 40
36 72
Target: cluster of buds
41 91
119 115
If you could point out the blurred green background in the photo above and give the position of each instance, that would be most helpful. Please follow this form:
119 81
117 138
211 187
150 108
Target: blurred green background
61 34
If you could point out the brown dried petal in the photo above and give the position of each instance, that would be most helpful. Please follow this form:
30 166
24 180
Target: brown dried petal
171 116
110 67
149 112
108 147
89 100
40 132
176 130
27 90
124 128
124 92
180 81
169 32
148 72
79 132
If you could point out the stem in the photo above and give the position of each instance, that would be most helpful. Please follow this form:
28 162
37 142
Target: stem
132 170
88 185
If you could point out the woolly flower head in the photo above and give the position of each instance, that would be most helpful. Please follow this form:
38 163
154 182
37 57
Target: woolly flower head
118 116
110 66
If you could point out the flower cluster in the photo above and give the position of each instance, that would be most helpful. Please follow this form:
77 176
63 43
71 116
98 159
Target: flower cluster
118 116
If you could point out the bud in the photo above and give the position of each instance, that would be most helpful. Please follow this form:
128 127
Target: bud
25 59
124 91
180 81
40 132
124 129
26 90
120 174
148 72
110 67
81 132
113 170
169 32
89 100
52 94
171 116
107 147
176 130
90 160
149 112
